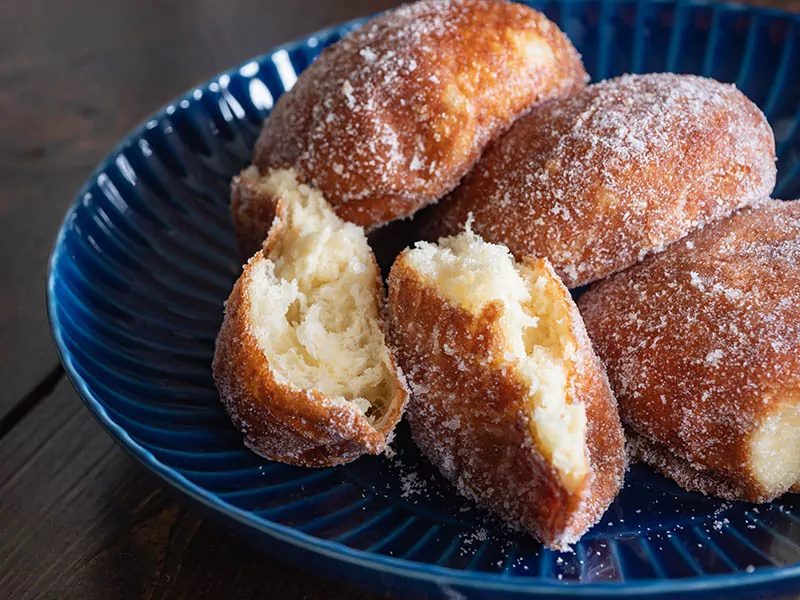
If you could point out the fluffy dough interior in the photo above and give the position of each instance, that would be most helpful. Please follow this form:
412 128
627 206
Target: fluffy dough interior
314 304
536 327
775 448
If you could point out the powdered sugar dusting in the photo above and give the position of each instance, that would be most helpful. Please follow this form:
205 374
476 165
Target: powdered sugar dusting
411 485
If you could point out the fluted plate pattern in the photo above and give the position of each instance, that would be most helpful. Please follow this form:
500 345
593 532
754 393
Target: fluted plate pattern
146 257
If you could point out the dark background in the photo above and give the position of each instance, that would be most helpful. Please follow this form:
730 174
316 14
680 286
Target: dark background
78 518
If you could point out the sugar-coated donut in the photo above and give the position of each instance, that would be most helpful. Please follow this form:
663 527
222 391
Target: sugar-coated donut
508 399
393 115
702 346
597 181
301 362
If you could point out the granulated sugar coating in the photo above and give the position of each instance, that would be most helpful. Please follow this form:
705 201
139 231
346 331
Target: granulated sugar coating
597 181
702 347
301 361
391 117
509 401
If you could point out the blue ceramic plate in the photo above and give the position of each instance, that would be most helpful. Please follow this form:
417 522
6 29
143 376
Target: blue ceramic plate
146 256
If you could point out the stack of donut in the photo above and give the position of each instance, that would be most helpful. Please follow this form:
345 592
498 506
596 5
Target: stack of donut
652 188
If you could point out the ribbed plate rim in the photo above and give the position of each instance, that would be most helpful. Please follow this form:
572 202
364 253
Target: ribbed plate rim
404 568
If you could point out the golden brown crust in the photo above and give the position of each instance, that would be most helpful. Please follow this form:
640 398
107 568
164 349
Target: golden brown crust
278 420
693 477
597 181
254 210
702 343
389 118
469 417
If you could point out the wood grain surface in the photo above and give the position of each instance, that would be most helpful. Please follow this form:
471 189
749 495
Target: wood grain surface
79 519
75 77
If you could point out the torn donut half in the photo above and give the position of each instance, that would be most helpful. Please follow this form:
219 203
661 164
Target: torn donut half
509 400
702 346
301 361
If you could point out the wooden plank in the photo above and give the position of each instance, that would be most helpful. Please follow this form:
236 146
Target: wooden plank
80 519
70 91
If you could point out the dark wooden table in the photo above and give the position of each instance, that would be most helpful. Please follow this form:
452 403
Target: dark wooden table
78 518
